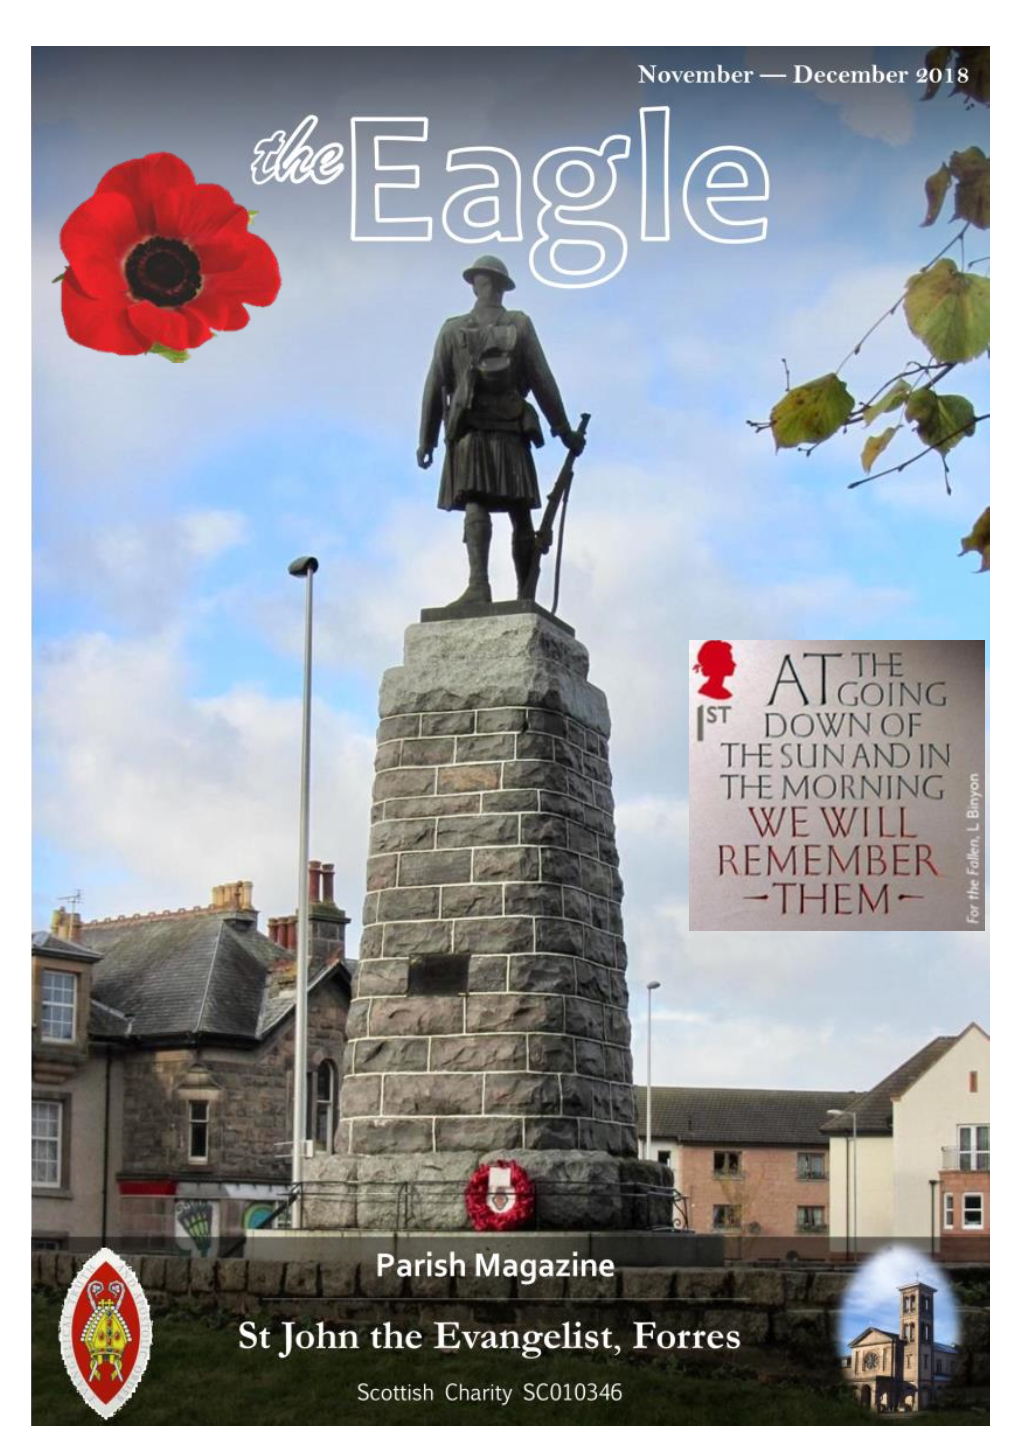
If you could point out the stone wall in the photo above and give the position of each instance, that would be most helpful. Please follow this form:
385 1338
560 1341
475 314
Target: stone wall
791 1310
248 1118
490 999
492 838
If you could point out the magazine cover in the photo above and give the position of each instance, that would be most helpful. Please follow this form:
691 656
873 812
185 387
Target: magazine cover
511 552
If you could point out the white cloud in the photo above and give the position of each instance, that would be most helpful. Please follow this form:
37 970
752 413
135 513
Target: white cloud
137 775
139 567
879 111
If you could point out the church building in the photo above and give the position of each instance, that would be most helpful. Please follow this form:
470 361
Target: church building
901 1371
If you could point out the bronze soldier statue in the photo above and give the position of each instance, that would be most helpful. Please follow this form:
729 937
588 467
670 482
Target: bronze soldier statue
485 365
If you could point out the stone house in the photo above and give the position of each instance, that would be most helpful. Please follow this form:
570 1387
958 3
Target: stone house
163 1046
751 1164
911 1158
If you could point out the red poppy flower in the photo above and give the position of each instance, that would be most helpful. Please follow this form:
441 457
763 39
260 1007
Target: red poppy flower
155 258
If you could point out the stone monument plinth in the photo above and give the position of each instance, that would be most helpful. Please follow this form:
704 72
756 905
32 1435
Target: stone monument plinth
489 1018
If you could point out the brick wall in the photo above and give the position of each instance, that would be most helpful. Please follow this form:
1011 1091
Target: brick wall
766 1191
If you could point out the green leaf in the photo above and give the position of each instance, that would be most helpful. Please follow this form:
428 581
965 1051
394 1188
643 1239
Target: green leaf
251 216
935 189
979 540
972 171
158 350
895 397
942 420
811 412
949 311
61 276
875 446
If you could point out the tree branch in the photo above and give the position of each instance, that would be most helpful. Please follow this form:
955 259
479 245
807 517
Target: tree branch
873 477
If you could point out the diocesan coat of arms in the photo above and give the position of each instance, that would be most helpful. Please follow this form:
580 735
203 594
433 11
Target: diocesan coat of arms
105 1332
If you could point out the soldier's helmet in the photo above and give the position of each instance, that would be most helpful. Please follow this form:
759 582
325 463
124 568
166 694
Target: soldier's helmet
494 267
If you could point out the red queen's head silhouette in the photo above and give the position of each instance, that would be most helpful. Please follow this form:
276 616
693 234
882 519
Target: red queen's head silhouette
715 661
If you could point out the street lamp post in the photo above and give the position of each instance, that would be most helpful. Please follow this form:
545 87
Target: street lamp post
851 1197
653 985
302 568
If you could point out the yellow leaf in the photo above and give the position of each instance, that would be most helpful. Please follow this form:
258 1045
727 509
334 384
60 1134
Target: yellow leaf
935 189
979 540
875 446
895 397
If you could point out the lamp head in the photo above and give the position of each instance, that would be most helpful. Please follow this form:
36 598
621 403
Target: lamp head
301 567
653 985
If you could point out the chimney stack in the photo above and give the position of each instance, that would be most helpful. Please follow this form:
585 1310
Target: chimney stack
66 926
314 881
328 872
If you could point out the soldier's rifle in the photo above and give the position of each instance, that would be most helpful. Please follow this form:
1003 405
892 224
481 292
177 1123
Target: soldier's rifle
560 495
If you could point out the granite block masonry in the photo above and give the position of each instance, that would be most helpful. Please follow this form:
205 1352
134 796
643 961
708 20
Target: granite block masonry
489 1016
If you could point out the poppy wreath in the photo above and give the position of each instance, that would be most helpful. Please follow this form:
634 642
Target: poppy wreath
159 263
483 1217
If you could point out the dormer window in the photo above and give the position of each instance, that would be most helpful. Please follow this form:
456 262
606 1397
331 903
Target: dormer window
59 999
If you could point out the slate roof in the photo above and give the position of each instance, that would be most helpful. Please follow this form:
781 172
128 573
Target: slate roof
45 943
874 1108
107 1023
711 1116
201 975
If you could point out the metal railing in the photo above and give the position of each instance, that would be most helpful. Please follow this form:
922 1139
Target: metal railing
415 1205
953 1159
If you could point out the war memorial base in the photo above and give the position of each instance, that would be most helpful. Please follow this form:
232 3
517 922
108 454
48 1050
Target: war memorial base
489 1020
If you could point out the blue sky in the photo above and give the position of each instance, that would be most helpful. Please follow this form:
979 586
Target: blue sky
873 1299
169 500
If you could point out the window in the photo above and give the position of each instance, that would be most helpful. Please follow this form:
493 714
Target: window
811 1165
726 1163
726 1218
198 1131
973 1082
321 1106
926 1333
58 1000
665 1158
947 1213
909 1331
974 1146
810 1218
973 1211
47 1125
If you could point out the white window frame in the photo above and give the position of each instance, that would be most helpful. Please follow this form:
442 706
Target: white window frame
61 1005
58 1106
972 1151
315 1101
809 1175
948 1212
193 1159
972 1225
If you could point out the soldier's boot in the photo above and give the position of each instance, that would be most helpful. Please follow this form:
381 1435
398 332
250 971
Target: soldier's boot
478 537
523 549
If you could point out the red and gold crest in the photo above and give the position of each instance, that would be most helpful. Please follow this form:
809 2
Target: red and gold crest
105 1332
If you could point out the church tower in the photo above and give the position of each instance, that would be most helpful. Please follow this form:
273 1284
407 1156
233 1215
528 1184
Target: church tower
917 1329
